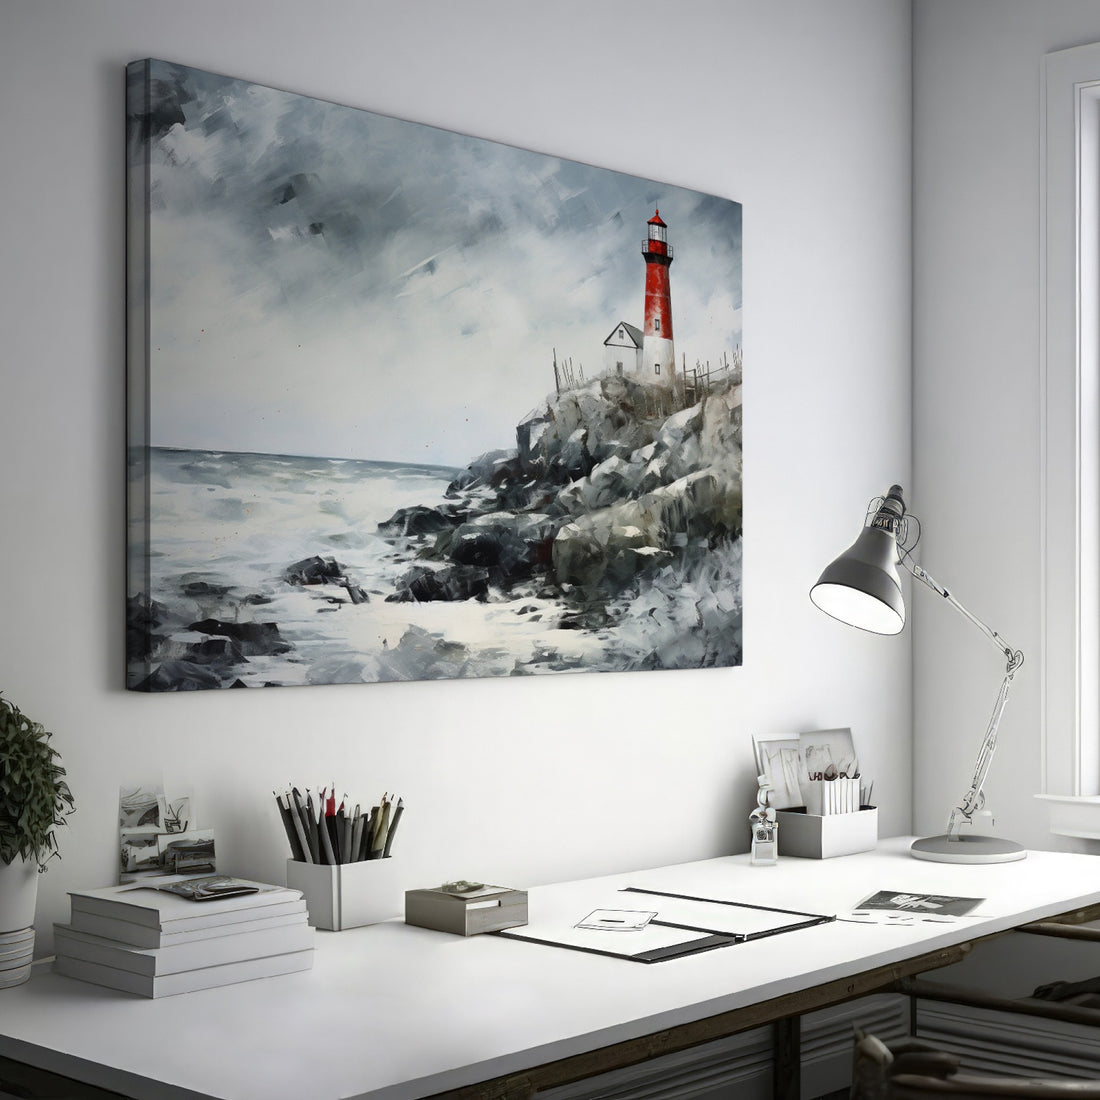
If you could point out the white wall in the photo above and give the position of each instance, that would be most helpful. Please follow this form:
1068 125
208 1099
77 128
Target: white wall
976 407
800 110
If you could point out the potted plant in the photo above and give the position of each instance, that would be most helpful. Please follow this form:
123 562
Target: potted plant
34 800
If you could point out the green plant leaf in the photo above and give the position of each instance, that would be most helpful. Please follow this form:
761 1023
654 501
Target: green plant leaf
34 797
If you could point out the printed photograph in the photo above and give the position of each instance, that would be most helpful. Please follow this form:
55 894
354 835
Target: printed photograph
781 762
940 905
139 807
187 853
408 404
139 852
828 754
177 815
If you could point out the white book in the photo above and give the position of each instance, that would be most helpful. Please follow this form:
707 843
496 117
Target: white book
144 903
184 956
140 935
168 985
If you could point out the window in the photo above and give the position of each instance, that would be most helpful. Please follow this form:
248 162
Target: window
1070 486
656 324
622 335
656 368
619 367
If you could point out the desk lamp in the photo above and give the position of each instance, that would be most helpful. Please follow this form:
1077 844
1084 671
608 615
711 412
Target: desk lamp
862 588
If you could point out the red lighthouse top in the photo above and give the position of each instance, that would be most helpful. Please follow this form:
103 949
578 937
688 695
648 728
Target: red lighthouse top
656 246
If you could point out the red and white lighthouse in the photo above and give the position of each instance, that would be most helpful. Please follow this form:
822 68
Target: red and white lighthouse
658 353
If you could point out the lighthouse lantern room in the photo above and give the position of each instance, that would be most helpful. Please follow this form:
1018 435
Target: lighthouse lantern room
658 352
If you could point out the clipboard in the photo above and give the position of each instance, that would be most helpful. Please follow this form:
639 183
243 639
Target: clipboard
685 925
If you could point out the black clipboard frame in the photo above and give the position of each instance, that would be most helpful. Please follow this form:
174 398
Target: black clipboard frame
709 940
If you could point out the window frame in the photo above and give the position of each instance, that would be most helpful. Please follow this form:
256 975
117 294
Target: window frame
1069 257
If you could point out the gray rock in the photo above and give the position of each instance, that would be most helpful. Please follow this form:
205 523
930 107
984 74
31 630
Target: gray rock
453 583
254 639
418 520
315 570
486 469
511 545
318 570
180 676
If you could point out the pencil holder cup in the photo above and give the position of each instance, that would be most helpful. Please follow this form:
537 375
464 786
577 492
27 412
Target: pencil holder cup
820 836
349 895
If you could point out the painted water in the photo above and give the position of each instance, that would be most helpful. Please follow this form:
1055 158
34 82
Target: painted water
225 530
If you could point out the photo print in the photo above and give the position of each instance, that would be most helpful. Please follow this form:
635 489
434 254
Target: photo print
828 754
157 835
780 761
187 853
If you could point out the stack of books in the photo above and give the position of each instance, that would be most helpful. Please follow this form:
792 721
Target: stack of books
146 939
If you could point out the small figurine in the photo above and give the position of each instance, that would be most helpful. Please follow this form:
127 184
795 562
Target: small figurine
765 828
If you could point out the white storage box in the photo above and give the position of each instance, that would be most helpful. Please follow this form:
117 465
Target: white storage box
348 895
820 837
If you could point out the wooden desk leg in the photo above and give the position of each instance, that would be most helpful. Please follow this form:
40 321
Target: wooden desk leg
787 1058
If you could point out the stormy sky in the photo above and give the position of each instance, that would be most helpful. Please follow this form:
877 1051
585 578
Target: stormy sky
327 281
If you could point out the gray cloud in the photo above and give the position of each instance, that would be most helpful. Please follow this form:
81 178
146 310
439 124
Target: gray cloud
311 259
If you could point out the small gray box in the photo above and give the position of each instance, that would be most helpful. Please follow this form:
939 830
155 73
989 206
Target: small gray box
486 910
821 837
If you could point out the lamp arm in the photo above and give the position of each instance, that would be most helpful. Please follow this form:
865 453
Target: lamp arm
974 798
1014 657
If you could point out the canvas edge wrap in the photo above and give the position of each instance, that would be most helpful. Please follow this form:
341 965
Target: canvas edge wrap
137 353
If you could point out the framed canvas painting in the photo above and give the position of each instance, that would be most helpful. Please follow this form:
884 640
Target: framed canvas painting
406 404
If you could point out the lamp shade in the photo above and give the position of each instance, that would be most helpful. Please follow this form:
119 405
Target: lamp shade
862 587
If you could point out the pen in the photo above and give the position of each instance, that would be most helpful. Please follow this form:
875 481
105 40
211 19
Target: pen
378 843
347 853
326 833
288 828
364 851
334 820
305 813
293 827
370 833
339 842
393 826
316 831
356 834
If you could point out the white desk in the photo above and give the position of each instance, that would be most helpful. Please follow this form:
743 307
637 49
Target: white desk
392 1012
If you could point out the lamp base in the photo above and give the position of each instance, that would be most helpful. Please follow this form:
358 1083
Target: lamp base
967 849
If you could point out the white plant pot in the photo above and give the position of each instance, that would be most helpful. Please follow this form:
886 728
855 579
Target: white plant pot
18 894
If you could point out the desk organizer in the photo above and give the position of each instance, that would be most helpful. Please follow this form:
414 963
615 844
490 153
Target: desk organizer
348 895
821 837
486 910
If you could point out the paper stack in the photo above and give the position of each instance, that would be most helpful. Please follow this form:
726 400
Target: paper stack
144 939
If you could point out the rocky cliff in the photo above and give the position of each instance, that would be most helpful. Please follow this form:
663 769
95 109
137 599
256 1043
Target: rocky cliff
608 537
608 497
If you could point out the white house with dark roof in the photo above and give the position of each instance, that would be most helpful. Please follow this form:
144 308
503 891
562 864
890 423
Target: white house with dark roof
622 350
